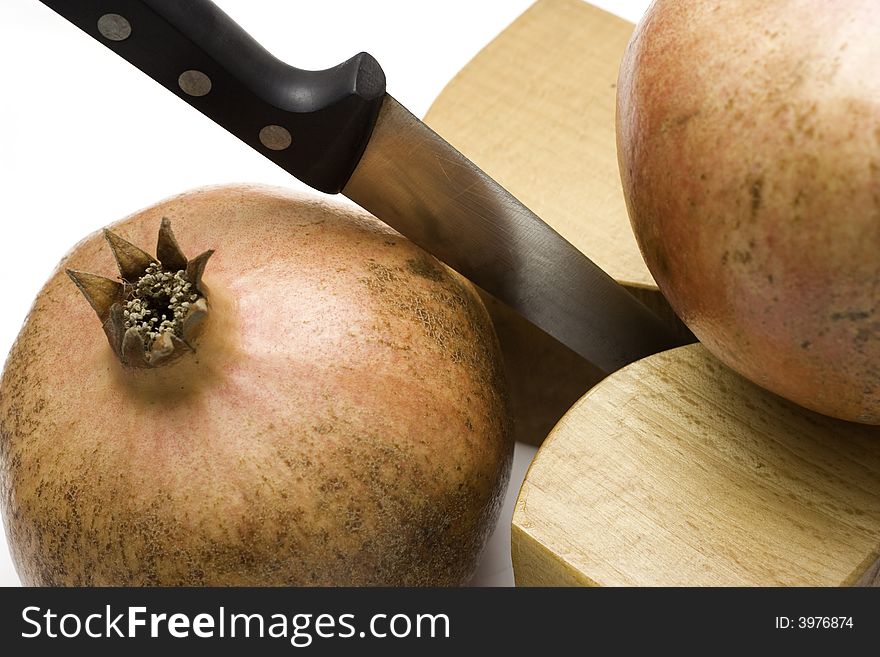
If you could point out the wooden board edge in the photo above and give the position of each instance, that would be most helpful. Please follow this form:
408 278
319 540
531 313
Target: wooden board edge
527 555
871 576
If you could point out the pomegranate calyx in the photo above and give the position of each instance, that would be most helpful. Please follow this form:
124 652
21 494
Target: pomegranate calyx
153 315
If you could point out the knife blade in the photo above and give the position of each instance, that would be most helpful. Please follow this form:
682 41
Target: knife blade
339 131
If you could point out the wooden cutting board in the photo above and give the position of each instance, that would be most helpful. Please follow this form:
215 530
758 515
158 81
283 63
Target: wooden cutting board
674 470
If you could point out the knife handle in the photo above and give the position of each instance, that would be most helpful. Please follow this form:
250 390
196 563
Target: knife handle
314 124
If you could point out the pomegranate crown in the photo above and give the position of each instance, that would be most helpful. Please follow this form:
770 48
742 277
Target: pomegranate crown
152 314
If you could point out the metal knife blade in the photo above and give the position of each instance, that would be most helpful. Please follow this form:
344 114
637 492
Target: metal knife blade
337 130
427 190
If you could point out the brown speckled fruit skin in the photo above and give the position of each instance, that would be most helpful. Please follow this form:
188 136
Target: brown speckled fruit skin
343 421
749 150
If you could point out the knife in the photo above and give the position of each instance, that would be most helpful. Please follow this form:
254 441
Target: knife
339 131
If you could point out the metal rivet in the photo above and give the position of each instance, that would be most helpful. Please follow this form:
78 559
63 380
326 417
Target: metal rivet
194 83
275 137
114 27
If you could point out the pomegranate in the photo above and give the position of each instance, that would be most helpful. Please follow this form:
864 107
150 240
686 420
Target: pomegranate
319 403
749 149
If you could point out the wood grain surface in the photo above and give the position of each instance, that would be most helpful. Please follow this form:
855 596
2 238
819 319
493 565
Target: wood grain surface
677 471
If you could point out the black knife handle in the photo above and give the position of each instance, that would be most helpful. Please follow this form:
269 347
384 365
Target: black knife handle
314 124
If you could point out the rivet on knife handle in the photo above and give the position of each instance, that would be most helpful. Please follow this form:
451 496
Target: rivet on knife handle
314 124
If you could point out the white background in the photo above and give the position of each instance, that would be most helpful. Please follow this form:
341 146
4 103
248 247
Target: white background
86 139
